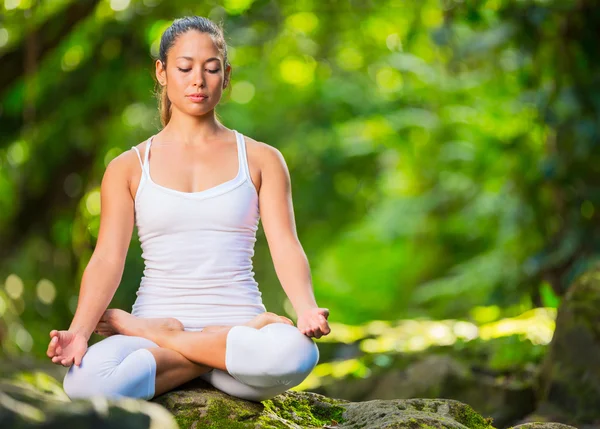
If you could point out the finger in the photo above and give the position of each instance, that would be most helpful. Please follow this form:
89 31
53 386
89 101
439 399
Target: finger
51 347
59 350
56 359
323 326
53 333
325 312
78 360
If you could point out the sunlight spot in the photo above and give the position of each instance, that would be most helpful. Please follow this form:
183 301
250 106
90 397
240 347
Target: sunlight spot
72 58
92 203
119 5
18 153
388 79
3 37
242 92
298 71
235 7
349 58
306 22
46 291
23 339
13 286
11 4
465 330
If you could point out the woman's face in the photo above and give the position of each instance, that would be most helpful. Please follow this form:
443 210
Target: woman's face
194 65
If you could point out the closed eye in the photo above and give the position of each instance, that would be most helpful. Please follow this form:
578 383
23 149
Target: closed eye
210 71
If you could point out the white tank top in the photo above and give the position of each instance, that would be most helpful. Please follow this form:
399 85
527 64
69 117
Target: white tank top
197 249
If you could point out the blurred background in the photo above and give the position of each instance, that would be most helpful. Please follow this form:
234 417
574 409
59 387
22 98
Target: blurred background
444 162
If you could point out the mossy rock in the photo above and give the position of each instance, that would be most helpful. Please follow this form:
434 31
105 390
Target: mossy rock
36 400
199 405
570 376
539 425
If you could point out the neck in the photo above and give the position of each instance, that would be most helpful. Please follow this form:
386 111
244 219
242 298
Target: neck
192 130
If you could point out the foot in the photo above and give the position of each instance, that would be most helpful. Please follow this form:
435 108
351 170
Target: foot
267 318
257 323
115 321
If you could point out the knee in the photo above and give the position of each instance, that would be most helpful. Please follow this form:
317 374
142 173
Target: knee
294 356
80 382
92 377
277 354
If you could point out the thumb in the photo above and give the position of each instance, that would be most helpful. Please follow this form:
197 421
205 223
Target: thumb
325 312
79 355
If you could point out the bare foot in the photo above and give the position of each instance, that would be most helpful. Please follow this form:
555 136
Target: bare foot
267 318
115 321
258 322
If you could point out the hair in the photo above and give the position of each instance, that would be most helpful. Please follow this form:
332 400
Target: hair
168 39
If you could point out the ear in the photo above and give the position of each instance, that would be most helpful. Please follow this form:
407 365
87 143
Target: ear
161 73
227 76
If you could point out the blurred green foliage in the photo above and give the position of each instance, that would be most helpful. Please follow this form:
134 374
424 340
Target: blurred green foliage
443 153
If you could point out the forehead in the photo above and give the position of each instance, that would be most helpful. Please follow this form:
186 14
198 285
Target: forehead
194 44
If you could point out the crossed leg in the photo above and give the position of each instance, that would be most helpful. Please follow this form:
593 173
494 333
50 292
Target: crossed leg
148 357
207 347
173 370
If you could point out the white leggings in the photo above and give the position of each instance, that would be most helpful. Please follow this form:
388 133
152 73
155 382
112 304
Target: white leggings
261 363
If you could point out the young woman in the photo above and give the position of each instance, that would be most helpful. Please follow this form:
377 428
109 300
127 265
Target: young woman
198 311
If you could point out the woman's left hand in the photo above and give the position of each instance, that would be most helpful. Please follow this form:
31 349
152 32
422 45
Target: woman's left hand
313 322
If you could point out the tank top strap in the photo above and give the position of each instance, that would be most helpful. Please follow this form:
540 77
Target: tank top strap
242 154
138 155
148 145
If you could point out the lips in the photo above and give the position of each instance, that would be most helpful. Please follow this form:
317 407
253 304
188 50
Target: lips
197 97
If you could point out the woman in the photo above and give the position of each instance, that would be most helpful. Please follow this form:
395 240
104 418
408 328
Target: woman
198 311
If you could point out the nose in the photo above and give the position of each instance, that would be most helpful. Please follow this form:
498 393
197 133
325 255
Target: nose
199 78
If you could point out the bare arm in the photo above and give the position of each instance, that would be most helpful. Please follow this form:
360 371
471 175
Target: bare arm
105 268
290 261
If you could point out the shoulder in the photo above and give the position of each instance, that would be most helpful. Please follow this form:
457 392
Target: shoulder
265 155
125 165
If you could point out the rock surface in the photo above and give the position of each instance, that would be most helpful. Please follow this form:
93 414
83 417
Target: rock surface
570 381
443 375
37 400
199 405
543 426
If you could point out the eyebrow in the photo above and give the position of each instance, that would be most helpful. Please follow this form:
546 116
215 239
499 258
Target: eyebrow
210 59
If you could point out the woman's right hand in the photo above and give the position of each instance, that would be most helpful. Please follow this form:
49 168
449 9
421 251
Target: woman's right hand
66 347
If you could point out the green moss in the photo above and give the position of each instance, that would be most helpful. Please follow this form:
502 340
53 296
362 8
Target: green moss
219 413
275 413
303 410
418 404
467 416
